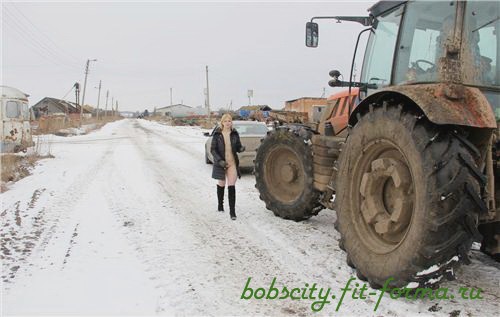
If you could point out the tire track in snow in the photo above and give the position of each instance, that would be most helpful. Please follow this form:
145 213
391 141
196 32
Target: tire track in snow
51 221
229 257
308 249
288 230
291 268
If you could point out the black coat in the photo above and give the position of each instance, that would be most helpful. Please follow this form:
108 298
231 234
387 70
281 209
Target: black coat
218 150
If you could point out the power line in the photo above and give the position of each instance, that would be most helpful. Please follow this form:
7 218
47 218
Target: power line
67 92
45 35
37 49
40 50
27 34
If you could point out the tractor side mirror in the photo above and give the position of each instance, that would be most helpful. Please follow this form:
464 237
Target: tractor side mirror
312 34
206 133
335 82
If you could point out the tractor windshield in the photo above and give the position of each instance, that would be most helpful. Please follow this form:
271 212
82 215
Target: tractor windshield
482 32
377 64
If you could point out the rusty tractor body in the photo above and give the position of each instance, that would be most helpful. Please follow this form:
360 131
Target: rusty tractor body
409 156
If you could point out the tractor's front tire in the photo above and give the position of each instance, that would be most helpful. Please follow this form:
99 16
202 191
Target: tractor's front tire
284 174
407 197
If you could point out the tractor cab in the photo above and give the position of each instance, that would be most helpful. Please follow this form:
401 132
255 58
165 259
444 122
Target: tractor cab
428 42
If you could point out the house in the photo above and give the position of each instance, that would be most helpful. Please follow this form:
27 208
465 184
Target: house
51 106
180 111
248 111
313 106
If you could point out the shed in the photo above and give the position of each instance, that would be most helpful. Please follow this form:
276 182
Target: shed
51 106
306 104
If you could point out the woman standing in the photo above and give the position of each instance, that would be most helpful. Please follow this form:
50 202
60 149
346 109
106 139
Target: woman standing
224 148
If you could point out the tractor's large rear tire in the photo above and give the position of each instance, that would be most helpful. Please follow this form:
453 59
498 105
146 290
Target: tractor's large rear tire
408 197
284 174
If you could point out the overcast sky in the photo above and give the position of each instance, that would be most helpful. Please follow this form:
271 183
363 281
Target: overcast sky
144 49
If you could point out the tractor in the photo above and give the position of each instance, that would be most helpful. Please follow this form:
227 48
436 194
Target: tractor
412 169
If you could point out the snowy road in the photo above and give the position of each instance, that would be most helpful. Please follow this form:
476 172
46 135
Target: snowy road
123 221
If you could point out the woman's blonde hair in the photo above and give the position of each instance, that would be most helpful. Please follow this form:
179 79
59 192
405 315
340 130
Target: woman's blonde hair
224 117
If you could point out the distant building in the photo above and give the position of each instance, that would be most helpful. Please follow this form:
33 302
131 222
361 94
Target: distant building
89 109
311 105
127 114
248 111
51 106
180 111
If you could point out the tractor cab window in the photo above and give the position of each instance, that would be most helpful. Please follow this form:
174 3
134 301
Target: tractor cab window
427 26
377 64
482 32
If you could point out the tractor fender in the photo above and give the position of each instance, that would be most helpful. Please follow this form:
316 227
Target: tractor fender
441 103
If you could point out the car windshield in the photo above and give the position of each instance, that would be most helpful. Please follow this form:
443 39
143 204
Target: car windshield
251 129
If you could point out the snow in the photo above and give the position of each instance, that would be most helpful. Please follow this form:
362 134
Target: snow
412 285
123 221
434 268
429 270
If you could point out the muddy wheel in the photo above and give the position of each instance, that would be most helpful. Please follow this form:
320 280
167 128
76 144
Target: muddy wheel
407 197
284 175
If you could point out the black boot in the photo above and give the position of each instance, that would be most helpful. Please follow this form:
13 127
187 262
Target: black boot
220 198
232 200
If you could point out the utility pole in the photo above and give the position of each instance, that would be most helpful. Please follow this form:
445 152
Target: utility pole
208 98
250 95
77 94
116 108
171 96
112 105
106 111
98 100
84 87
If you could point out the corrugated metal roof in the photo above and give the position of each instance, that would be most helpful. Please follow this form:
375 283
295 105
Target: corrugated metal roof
314 98
62 105
172 106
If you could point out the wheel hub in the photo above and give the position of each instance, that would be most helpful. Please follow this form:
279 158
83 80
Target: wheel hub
284 174
289 172
386 205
